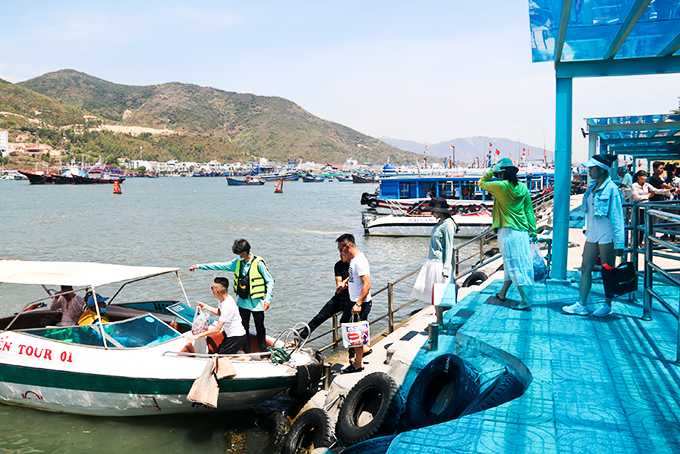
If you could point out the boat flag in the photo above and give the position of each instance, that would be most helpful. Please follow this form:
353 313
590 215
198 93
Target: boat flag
497 152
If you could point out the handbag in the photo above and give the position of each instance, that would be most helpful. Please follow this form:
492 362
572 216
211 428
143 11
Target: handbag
620 280
201 322
355 334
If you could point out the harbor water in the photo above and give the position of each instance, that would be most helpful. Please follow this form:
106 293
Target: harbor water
177 222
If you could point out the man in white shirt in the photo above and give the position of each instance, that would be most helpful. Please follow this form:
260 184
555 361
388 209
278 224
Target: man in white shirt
229 321
359 286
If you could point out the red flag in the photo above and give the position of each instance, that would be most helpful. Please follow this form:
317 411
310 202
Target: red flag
490 144
498 152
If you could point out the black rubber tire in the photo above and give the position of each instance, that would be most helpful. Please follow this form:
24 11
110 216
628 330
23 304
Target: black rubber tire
364 198
376 394
441 392
378 445
475 278
372 203
311 429
277 426
504 389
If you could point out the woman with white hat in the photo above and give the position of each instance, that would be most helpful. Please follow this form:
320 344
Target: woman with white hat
605 234
514 220
437 268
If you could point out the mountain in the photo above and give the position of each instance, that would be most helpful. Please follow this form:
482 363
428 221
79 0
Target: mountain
258 126
472 147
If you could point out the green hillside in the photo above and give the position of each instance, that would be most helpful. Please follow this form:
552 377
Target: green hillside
230 124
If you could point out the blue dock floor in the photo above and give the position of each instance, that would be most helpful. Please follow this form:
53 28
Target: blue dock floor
600 385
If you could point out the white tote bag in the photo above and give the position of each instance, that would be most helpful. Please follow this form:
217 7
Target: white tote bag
354 333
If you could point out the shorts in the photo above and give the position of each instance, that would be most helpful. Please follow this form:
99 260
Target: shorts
363 315
231 345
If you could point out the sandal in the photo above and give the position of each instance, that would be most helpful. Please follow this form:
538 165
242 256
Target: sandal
351 369
521 307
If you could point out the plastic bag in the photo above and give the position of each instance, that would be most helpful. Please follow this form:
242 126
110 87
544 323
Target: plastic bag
201 322
355 334
540 267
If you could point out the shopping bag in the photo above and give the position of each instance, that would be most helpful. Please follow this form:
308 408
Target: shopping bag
540 267
201 322
620 280
355 334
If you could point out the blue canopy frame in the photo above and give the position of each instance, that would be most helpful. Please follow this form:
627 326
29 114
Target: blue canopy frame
601 38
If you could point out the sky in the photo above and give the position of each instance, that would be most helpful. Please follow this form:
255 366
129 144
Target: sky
426 71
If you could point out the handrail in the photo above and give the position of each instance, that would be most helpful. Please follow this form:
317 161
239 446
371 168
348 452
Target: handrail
650 267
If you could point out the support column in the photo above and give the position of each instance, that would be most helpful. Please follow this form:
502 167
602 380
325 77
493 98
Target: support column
563 127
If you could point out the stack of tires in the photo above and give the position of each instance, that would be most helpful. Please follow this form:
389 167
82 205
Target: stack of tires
374 409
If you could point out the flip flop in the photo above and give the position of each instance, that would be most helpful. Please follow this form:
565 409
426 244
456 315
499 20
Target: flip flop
368 352
499 297
521 307
351 369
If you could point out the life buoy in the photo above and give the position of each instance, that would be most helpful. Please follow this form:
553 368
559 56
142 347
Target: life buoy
277 426
442 390
378 445
505 388
311 428
475 278
372 408
373 203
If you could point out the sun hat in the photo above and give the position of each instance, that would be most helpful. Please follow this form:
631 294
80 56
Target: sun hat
503 164
438 205
91 299
601 161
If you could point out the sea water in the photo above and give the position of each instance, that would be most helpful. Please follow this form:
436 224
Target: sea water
177 222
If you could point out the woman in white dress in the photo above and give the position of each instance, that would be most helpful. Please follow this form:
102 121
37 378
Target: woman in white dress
437 267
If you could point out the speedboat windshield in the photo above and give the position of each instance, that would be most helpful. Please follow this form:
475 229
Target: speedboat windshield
143 331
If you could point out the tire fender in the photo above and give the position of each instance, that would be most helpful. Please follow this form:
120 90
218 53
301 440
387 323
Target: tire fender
311 428
475 278
504 389
373 203
277 426
441 392
376 394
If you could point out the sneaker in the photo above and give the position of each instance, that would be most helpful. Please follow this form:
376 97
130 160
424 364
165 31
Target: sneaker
575 309
603 311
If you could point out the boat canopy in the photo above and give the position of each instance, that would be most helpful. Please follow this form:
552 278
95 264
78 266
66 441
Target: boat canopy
76 274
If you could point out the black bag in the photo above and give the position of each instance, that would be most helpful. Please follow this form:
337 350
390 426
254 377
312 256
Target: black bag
620 280
243 284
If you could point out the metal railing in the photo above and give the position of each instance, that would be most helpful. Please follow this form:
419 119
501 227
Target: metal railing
484 255
656 247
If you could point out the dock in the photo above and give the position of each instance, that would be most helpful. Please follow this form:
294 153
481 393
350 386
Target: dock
594 384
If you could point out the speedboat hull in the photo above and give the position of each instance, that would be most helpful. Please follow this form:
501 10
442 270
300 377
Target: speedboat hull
62 377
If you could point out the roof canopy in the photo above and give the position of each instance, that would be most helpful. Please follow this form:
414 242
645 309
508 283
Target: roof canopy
606 37
76 274
648 136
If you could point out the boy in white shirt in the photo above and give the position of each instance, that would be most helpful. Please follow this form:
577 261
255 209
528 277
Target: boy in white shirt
229 321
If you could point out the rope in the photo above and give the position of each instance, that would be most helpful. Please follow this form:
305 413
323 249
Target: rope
279 355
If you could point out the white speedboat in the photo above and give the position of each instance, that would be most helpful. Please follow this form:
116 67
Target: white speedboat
469 225
135 365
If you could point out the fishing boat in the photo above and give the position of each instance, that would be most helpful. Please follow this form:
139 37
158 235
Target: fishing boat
135 365
70 177
248 181
345 178
469 224
292 176
401 194
312 179
366 178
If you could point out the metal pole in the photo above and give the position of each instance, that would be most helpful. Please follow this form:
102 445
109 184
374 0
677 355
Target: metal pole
563 127
481 250
335 331
455 262
390 307
647 301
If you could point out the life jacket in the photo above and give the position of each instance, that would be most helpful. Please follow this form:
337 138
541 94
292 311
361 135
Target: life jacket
251 285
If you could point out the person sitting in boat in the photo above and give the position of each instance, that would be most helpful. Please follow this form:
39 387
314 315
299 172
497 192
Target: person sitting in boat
90 316
71 306
229 321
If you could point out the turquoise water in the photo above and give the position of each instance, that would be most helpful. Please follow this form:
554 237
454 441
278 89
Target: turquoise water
177 222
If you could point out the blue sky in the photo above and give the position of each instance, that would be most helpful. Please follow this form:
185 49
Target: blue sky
426 71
